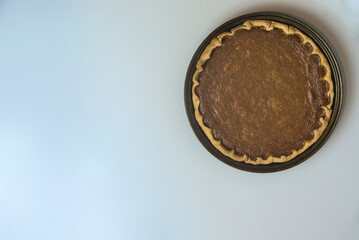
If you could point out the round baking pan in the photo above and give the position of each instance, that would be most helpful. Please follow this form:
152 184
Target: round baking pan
324 46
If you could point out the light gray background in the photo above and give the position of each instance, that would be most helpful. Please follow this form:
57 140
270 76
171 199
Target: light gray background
95 142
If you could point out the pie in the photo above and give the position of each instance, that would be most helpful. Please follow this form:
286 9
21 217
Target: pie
262 92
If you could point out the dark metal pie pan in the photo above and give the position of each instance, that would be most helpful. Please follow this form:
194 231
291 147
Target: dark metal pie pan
319 39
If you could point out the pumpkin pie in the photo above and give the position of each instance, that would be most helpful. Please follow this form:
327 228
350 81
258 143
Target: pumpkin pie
262 92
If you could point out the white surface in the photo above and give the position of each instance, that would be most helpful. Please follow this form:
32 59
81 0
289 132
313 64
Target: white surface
95 142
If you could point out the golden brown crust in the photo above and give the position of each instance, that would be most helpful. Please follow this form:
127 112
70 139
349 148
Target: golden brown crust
268 26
